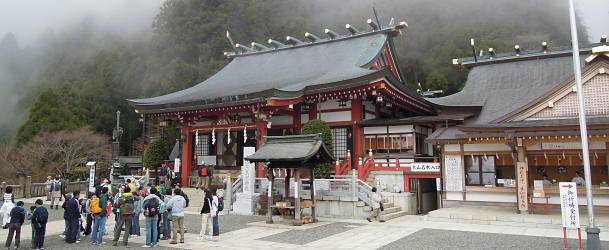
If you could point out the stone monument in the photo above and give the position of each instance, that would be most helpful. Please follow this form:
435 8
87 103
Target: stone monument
247 200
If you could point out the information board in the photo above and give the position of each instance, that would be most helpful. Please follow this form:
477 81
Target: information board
454 173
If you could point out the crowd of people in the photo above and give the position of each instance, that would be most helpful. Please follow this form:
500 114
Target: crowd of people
161 206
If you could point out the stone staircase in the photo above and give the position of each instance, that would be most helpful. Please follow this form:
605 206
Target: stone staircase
196 199
391 211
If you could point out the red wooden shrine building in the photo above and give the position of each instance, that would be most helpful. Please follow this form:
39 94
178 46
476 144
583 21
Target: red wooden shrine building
352 82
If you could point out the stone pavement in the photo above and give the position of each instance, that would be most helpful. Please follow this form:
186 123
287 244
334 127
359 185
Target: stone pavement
408 232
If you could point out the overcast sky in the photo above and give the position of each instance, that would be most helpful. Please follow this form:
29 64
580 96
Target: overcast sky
27 19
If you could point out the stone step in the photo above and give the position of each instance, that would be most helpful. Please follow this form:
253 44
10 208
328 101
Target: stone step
388 205
393 215
392 210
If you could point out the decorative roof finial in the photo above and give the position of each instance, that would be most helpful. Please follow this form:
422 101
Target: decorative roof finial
372 24
259 47
544 47
331 34
293 41
244 48
312 37
276 44
351 29
517 49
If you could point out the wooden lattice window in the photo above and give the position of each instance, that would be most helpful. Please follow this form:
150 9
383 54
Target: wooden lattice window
339 142
202 147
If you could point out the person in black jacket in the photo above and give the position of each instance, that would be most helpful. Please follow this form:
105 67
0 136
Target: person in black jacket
14 227
73 216
40 218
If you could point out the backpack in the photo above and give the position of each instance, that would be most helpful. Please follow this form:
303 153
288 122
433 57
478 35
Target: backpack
127 205
43 217
204 171
220 203
56 186
163 208
95 207
151 207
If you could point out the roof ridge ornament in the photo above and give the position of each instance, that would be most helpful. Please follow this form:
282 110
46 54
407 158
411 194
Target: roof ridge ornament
331 34
244 48
293 41
276 44
372 24
312 37
353 30
602 49
259 47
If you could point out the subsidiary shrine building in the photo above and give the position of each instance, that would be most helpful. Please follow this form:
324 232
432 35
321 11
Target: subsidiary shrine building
275 89
523 124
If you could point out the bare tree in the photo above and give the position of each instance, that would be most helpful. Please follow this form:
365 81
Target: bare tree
62 152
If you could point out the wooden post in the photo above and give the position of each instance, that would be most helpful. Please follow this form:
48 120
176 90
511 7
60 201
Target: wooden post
186 153
313 194
297 191
22 185
27 191
522 181
286 192
358 135
269 211
263 133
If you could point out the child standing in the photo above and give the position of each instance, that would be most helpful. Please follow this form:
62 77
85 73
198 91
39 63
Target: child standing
29 217
14 226
137 210
40 218
7 206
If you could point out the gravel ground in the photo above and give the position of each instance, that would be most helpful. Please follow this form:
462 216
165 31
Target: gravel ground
301 237
54 242
448 239
227 223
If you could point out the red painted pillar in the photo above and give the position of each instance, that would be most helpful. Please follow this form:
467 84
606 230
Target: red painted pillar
296 118
358 135
312 111
186 152
263 132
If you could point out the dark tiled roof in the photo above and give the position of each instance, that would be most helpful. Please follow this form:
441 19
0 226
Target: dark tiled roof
416 119
502 88
542 123
282 73
292 148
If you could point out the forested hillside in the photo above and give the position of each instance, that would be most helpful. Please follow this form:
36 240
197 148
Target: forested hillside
75 81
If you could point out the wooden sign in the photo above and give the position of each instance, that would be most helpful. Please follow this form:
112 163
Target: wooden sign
425 167
454 173
523 186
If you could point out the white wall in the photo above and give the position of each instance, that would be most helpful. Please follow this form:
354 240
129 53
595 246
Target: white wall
486 147
400 129
452 148
341 116
282 120
333 104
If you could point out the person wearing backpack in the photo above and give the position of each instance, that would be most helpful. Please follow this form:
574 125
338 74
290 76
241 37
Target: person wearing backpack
202 180
208 211
166 217
176 204
40 218
14 227
137 210
98 208
220 205
126 207
8 204
55 193
151 209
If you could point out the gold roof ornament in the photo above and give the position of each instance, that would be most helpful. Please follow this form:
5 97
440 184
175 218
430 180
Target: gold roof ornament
599 50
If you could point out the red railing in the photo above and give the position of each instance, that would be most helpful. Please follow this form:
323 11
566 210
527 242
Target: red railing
365 169
343 169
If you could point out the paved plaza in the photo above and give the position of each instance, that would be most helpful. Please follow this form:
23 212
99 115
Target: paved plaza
407 232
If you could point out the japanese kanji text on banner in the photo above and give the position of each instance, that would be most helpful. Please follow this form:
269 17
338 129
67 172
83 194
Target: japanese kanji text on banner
569 205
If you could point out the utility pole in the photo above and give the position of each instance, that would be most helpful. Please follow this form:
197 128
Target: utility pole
593 241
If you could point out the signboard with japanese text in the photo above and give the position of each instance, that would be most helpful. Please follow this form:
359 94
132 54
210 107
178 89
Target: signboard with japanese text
454 173
176 165
569 205
91 166
523 186
425 167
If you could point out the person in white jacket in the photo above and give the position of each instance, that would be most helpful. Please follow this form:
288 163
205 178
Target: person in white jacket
376 206
176 204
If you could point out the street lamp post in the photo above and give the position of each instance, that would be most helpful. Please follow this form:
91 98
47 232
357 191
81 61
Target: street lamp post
593 241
